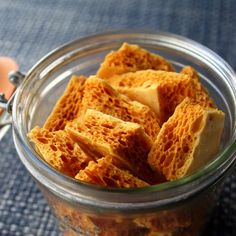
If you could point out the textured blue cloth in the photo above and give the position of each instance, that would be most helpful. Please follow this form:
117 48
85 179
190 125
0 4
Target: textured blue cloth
31 28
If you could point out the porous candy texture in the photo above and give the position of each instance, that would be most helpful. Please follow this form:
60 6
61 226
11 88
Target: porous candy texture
135 115
67 107
202 95
100 96
130 58
126 142
59 150
162 91
106 174
187 140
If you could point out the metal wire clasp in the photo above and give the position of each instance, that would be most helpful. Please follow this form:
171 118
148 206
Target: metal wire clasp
15 77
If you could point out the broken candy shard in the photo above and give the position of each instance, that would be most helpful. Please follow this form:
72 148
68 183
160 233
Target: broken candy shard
67 107
130 58
162 91
104 173
59 150
104 135
201 93
100 96
187 141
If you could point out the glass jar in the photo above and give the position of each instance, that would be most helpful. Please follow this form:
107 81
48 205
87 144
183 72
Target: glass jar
180 207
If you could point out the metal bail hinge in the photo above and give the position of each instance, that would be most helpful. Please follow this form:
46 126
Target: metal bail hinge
3 101
15 77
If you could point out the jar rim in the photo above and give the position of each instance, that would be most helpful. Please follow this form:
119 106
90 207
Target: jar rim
199 179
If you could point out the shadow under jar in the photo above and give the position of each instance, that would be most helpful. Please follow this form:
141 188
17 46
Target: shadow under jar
179 207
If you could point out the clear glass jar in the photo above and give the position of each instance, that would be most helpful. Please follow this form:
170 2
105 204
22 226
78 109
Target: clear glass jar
179 207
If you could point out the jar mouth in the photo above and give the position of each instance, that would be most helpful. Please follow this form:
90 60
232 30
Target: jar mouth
184 187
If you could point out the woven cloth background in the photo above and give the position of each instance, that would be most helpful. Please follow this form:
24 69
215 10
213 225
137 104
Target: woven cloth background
31 28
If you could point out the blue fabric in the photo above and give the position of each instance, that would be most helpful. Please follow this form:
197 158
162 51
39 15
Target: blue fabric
31 28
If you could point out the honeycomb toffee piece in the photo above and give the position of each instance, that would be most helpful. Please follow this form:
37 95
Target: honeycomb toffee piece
130 58
136 117
102 135
106 174
67 107
100 96
202 95
188 140
59 150
162 91
165 221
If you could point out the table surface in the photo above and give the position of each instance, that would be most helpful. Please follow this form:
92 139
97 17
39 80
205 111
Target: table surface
31 28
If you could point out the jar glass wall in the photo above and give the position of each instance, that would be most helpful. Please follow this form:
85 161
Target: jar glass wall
179 207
